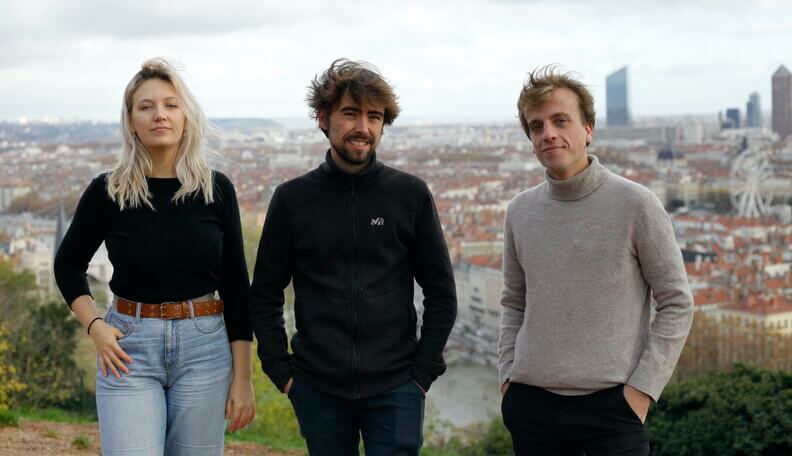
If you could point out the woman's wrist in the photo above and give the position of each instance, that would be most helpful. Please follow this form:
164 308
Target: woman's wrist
88 329
242 354
242 378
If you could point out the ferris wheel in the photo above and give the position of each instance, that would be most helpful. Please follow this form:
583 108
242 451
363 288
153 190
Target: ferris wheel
750 169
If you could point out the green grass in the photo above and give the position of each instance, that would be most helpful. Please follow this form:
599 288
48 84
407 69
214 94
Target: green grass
52 414
275 424
8 418
428 451
81 442
279 444
51 433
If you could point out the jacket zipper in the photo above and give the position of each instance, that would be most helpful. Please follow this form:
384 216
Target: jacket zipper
356 286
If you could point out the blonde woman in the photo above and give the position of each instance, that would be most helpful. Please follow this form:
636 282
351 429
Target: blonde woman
174 361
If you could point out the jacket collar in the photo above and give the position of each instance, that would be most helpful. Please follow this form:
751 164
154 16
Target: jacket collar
336 174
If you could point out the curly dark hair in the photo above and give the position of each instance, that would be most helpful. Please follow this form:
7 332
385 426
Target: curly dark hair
361 80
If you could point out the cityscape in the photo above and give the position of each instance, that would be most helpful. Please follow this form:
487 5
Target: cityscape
724 178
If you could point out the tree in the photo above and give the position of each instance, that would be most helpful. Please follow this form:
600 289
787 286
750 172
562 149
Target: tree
32 202
37 343
17 293
44 358
743 412
9 379
496 441
718 344
251 234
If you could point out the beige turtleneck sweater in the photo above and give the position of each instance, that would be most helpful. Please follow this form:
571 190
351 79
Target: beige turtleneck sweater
582 259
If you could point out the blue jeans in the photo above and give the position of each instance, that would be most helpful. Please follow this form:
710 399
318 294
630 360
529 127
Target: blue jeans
390 423
173 399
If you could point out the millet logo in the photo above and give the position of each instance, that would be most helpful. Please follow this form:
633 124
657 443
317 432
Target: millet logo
379 221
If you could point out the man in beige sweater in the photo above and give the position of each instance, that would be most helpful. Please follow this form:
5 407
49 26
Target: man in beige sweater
582 354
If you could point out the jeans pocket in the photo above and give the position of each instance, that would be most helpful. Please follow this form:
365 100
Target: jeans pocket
505 403
209 324
626 405
124 323
418 388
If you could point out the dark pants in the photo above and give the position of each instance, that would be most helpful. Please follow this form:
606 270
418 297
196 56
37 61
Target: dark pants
390 423
597 424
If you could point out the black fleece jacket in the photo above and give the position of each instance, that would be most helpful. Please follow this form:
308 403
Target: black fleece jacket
352 244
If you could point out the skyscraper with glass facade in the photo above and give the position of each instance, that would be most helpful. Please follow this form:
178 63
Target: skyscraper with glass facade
733 117
618 107
782 102
753 111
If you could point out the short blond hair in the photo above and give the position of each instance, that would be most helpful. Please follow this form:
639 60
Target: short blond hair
539 87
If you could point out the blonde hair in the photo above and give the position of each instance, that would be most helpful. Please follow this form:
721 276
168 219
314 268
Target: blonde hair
126 183
540 86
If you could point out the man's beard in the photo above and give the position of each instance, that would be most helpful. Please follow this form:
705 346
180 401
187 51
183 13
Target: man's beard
350 159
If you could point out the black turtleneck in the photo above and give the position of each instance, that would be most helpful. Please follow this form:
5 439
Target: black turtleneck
177 251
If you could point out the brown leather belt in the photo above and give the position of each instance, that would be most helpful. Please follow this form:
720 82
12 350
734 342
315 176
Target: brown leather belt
170 310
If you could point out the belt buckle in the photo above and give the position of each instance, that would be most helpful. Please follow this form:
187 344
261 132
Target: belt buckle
162 311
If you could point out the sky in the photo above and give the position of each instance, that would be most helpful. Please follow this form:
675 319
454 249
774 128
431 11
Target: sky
448 60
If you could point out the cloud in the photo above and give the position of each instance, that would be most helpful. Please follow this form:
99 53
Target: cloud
445 58
145 18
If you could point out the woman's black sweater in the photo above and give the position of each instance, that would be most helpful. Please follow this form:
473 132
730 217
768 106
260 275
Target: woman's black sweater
176 252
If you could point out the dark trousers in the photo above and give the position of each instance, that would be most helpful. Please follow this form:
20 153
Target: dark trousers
391 423
597 424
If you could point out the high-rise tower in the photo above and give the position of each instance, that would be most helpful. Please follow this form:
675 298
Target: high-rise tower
733 117
782 102
753 111
616 95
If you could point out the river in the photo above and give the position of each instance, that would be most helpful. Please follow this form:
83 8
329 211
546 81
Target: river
465 395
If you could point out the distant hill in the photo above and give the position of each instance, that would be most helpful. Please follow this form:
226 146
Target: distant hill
244 125
92 131
59 133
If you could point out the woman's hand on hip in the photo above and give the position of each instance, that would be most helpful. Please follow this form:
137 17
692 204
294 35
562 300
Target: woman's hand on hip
241 404
111 357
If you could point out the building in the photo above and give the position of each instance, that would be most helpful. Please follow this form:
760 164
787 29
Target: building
758 329
753 111
782 102
732 118
618 107
669 157
690 133
479 282
642 135
60 227
9 191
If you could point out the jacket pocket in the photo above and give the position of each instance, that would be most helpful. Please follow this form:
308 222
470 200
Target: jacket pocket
322 344
387 332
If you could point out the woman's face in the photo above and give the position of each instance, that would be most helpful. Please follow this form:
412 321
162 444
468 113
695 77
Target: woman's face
157 117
